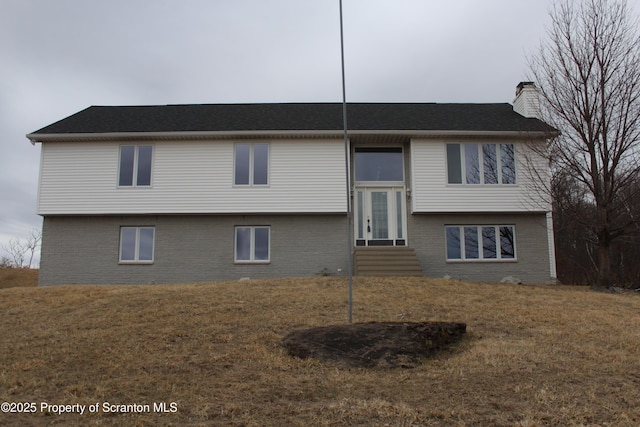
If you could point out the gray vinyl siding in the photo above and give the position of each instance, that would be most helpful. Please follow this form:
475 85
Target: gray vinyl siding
427 236
85 249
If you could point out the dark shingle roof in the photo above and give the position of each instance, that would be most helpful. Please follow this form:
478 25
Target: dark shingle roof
294 117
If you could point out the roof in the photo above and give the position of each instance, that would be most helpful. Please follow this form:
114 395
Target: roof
299 117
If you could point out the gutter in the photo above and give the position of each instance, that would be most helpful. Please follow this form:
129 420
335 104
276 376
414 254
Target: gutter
203 135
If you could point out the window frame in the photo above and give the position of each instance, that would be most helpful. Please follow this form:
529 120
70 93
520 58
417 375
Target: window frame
480 250
137 245
460 157
251 179
136 166
357 166
252 245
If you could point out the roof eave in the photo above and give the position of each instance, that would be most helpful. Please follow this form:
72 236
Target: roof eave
201 135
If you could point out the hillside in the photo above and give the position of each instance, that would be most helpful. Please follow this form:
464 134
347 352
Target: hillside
209 354
18 277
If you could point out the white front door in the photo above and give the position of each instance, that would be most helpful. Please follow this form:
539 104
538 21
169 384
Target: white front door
380 216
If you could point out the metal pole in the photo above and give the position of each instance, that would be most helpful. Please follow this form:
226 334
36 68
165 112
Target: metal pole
348 176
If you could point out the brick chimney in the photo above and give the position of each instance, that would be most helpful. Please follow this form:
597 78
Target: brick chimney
527 102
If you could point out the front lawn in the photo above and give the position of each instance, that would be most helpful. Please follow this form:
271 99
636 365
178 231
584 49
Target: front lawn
209 354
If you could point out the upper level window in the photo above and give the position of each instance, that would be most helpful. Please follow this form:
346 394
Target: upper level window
251 165
379 164
474 163
135 166
136 244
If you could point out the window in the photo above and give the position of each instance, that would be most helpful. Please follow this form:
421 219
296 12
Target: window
474 163
135 166
136 244
454 169
379 164
252 244
480 242
251 165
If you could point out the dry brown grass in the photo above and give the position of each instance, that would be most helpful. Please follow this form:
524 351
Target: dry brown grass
18 277
533 356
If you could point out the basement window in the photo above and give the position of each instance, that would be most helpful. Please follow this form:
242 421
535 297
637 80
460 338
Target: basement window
137 244
252 244
480 242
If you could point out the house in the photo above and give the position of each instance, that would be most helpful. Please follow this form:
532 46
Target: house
187 193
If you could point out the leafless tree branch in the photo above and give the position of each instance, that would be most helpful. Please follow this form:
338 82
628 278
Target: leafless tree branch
588 72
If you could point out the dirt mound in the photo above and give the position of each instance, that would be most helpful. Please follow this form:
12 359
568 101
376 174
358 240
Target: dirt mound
387 344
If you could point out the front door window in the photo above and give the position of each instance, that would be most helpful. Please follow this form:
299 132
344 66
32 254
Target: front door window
379 215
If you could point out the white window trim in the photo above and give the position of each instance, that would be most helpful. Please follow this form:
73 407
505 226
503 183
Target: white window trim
252 243
134 180
463 164
480 258
136 259
252 165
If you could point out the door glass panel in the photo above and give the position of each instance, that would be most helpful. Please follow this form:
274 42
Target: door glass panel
399 215
379 164
360 215
379 215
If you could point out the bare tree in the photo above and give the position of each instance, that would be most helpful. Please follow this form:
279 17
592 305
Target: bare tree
16 251
32 243
588 72
23 251
6 262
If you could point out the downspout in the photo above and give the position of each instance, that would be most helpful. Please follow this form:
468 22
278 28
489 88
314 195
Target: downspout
552 249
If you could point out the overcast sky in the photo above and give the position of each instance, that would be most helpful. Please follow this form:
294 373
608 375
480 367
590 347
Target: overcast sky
61 56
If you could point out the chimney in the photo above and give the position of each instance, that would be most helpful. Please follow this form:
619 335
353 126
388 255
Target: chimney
527 102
